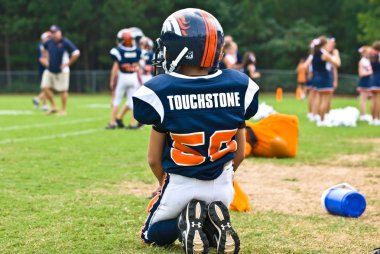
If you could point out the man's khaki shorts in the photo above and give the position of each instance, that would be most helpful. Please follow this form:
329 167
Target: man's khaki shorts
59 81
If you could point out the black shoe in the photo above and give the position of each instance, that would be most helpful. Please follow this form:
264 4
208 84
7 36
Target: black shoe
134 127
111 126
219 230
120 123
190 223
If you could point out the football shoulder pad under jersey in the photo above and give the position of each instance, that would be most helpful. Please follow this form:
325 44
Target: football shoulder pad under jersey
167 96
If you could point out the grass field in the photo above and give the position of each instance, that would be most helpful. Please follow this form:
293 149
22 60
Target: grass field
69 186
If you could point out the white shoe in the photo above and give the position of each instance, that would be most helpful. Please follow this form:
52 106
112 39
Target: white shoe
316 118
45 108
36 102
323 123
375 122
367 118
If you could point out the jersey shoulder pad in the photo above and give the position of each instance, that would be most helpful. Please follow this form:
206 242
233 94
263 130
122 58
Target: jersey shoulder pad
115 54
239 78
147 106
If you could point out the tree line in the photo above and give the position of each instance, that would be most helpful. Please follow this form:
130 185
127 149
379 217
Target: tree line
278 31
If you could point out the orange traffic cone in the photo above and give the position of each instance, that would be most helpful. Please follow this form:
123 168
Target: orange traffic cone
298 94
279 94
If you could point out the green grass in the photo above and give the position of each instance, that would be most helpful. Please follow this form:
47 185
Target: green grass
51 168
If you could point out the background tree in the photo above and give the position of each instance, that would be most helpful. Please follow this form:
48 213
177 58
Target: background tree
277 31
369 23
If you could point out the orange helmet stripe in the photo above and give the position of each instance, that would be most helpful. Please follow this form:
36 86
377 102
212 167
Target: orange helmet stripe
211 40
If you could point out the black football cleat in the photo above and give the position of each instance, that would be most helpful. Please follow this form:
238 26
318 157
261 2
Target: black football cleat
111 126
135 127
219 230
120 123
190 223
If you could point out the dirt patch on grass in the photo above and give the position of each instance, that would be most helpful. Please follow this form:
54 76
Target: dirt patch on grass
368 140
298 189
354 160
127 188
287 189
292 189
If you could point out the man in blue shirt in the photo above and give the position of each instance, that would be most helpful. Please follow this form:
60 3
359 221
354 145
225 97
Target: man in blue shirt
60 53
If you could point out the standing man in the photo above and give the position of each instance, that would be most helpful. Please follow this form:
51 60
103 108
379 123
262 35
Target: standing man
60 53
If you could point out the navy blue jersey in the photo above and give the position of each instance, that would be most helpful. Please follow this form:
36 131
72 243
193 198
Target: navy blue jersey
318 64
148 57
59 53
376 65
200 116
322 77
127 58
375 79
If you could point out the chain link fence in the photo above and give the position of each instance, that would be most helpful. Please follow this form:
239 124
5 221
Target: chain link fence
97 81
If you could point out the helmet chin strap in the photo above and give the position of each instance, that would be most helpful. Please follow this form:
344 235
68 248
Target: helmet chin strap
175 62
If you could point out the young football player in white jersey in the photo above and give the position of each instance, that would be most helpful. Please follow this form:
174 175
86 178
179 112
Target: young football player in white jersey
41 68
126 66
197 140
115 67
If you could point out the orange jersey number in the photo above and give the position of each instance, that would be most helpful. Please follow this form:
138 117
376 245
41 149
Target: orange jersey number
183 155
217 140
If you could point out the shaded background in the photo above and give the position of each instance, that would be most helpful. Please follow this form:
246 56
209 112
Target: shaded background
277 31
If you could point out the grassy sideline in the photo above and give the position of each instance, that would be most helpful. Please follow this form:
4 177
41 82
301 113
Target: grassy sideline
60 184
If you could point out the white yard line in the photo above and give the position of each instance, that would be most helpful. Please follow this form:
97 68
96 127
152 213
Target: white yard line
55 136
38 125
15 112
98 106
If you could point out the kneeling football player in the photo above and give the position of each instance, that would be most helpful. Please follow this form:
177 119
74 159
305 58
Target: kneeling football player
197 113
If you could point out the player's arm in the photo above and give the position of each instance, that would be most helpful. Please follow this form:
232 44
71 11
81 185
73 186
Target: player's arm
44 59
142 62
155 150
337 57
74 53
240 152
113 78
227 63
148 109
74 57
308 61
327 57
335 81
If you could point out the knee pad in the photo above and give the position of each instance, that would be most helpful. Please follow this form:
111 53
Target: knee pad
163 232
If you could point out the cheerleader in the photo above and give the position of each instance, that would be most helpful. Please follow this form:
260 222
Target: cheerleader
365 73
322 79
